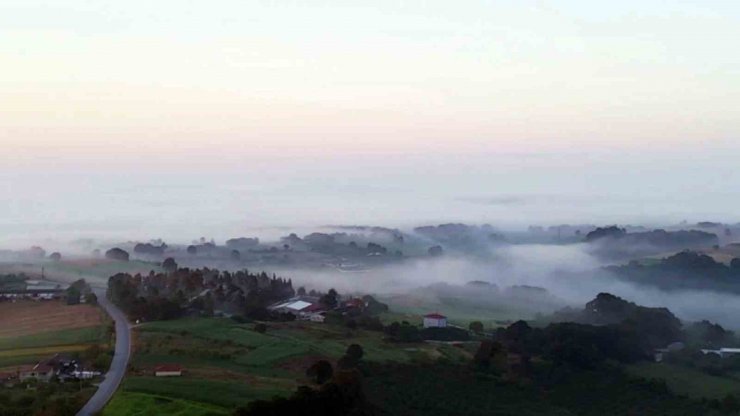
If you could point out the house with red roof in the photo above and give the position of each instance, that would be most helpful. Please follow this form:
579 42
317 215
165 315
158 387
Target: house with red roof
435 320
168 370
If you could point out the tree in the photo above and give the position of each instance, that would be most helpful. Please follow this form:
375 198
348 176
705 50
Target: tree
735 264
301 291
330 299
235 255
486 352
476 326
73 295
320 372
435 251
91 298
55 256
117 254
355 351
192 250
260 328
169 264
613 232
208 304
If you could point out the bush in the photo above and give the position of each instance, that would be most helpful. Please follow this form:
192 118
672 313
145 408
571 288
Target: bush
320 372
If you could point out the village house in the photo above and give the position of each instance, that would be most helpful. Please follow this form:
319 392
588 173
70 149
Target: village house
435 320
43 371
168 370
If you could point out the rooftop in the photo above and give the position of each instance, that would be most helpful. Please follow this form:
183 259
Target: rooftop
167 367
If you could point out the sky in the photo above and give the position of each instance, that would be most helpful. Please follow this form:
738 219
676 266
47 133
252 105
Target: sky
144 116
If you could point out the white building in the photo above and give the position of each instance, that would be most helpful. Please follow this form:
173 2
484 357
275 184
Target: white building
723 352
435 320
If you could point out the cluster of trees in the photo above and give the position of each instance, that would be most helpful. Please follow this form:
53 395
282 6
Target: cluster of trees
150 250
406 332
684 270
335 391
169 295
343 244
45 399
616 243
117 254
461 237
78 291
655 327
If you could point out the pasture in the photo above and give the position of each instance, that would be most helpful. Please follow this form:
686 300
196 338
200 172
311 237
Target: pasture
229 364
143 404
691 382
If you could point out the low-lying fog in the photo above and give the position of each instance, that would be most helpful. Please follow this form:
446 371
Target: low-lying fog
52 205
569 273
63 200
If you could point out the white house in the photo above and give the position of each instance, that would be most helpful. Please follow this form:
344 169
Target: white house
435 320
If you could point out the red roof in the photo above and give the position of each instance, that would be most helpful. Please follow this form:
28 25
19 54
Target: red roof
314 307
355 303
435 316
167 368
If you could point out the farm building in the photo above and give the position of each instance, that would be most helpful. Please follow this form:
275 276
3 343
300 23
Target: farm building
723 352
32 289
435 320
42 371
298 306
168 370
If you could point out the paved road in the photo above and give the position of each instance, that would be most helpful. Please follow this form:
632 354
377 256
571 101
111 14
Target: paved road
120 360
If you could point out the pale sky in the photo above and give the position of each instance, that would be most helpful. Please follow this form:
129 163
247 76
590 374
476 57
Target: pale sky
418 93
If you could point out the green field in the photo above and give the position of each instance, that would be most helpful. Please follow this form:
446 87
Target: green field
76 336
688 381
142 404
97 271
229 364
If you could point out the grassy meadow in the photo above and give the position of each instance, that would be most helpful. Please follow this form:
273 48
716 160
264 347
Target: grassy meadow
228 364
691 382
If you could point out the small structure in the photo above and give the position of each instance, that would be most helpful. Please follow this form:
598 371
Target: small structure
722 352
435 320
41 372
301 306
659 353
317 317
726 352
168 370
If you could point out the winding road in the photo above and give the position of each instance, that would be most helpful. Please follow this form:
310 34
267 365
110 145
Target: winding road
117 369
